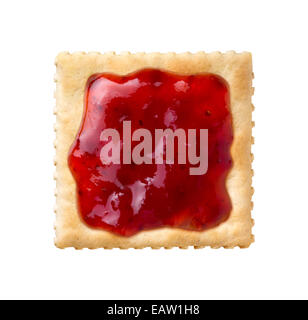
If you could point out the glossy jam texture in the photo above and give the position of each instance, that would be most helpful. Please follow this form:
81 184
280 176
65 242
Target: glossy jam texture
128 198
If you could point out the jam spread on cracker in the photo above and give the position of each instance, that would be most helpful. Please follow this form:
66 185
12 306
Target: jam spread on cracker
123 184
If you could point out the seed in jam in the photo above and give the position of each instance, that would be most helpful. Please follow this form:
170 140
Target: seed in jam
128 198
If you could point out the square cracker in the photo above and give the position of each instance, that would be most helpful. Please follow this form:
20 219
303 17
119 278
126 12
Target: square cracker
73 70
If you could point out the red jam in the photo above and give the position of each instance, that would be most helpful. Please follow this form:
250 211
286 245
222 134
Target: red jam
128 198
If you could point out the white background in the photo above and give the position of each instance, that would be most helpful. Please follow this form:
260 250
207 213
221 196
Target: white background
33 32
